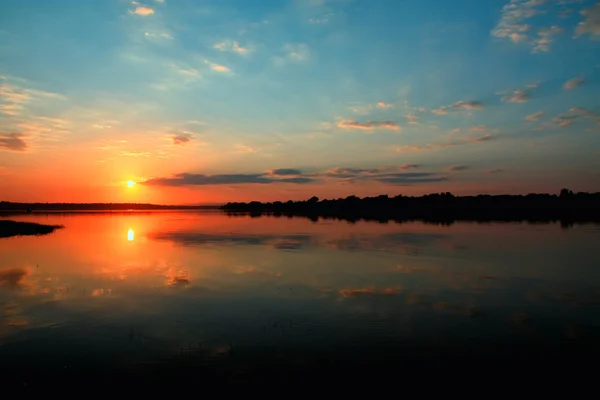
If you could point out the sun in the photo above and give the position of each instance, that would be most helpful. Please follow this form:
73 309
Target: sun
130 183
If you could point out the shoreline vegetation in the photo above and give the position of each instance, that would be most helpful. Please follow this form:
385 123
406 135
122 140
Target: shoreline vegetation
10 228
567 207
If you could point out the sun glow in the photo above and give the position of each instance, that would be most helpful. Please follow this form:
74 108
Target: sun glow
130 183
130 235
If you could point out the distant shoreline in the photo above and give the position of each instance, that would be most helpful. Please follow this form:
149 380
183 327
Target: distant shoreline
6 206
566 207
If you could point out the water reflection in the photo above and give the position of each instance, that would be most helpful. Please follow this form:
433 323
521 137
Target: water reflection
201 281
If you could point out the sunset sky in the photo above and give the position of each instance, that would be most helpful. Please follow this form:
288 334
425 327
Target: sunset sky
201 101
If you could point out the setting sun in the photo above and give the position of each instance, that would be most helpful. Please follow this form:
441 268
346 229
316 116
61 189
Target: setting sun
130 183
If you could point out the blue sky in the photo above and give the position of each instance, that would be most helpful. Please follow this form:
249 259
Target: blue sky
352 94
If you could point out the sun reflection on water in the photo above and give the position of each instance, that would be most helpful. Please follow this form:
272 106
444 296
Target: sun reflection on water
130 235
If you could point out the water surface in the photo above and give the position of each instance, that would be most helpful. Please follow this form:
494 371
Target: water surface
243 297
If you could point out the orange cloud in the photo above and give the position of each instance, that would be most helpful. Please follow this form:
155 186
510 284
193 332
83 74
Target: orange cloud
143 11
369 125
573 83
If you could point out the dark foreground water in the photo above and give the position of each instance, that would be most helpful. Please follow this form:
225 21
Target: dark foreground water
188 298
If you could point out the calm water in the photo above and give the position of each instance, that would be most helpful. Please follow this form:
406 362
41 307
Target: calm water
241 296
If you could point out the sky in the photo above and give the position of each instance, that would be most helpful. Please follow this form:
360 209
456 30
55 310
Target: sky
206 101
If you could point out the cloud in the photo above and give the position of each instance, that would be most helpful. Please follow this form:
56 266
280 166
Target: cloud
408 178
573 83
434 146
518 96
161 35
494 171
16 97
484 138
514 27
182 138
456 168
143 11
440 111
574 114
512 24
369 125
219 68
135 153
285 171
412 119
468 105
319 21
232 46
479 128
188 179
244 149
544 39
292 53
535 116
383 104
409 166
391 174
591 22
297 52
12 141
160 1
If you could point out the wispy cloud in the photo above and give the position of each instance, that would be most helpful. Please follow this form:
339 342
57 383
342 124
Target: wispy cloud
135 153
456 168
479 128
573 83
189 179
574 114
434 146
369 125
545 36
513 25
468 105
292 53
383 104
16 97
535 116
517 96
232 46
392 174
244 149
12 141
412 119
182 138
591 22
471 105
494 171
158 35
512 19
